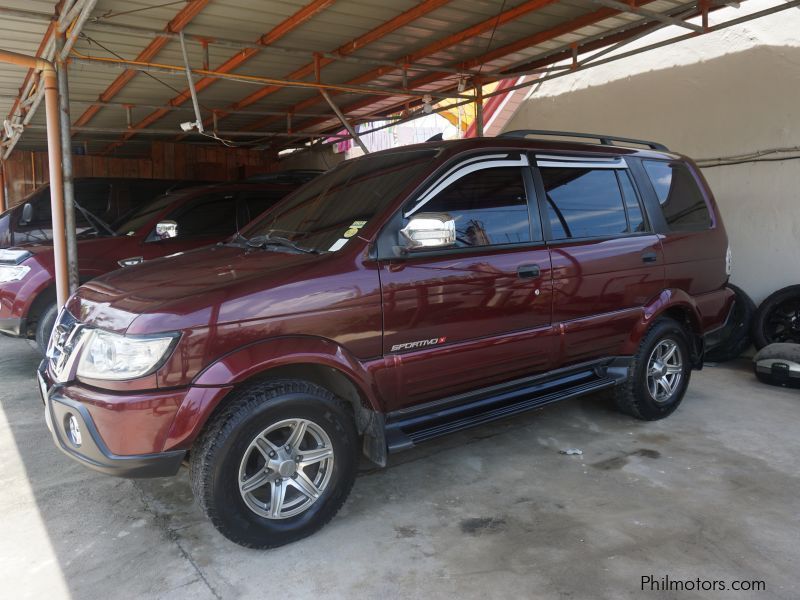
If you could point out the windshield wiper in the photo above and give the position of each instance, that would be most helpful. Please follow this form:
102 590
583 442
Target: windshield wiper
240 240
260 241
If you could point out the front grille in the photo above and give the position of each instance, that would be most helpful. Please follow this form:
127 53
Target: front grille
62 345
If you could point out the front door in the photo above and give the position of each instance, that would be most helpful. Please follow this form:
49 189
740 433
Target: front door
607 262
479 312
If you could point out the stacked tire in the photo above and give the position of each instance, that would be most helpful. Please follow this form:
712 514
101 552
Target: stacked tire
778 318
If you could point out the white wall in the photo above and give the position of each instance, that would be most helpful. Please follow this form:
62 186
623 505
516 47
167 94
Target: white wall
718 95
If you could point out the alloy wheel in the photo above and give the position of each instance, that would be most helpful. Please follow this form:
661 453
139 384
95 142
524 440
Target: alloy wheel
664 370
286 468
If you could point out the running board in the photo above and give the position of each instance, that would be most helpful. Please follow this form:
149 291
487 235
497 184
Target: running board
404 432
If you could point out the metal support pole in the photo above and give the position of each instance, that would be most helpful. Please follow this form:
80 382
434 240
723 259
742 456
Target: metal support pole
344 120
192 90
3 202
478 108
54 162
70 229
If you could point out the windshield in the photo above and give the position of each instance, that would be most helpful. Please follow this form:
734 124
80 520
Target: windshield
324 214
133 221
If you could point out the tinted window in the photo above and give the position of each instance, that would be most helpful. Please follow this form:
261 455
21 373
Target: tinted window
489 207
681 201
583 202
208 215
327 212
258 202
143 214
94 197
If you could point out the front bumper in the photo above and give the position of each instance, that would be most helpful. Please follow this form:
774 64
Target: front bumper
90 450
12 326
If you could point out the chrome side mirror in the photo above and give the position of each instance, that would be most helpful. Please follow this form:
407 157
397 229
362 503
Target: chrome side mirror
166 230
27 214
428 230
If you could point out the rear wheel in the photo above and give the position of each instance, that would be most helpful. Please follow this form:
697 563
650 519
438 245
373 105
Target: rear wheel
276 464
658 375
47 320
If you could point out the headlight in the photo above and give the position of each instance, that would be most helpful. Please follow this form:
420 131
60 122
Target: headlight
13 272
109 355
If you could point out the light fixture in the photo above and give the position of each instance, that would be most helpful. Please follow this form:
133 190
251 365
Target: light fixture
189 125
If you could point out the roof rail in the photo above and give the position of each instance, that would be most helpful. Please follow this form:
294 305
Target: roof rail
606 140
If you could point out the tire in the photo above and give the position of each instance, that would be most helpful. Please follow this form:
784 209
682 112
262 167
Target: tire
226 454
778 318
47 320
739 340
634 396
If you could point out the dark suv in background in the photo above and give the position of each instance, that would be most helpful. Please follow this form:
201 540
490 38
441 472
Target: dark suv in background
396 298
99 201
169 224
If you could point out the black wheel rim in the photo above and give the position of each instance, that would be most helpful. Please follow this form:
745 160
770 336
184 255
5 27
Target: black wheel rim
783 322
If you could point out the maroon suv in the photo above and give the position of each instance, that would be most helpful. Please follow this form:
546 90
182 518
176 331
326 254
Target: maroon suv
398 297
174 222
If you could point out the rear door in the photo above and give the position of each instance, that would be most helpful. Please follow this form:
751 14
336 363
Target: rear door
607 262
468 316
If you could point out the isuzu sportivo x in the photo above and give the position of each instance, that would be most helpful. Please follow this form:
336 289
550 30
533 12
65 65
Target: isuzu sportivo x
396 298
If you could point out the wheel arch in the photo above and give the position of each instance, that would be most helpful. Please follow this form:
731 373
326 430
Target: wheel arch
678 306
319 361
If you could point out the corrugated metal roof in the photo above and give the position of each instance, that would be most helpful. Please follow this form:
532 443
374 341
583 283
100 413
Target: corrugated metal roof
328 29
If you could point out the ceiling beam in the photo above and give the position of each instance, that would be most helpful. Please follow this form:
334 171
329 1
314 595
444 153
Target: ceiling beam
282 29
369 37
500 52
432 48
177 24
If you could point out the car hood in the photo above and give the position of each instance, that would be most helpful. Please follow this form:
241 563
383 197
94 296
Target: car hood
204 287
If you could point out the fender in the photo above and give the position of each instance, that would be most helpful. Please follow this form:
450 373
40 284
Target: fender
246 362
211 385
668 299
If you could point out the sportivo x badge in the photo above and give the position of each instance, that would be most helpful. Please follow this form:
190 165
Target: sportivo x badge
418 344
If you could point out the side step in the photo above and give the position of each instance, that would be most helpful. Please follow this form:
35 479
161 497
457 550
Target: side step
404 432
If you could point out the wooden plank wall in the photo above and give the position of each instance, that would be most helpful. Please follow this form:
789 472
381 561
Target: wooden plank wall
25 171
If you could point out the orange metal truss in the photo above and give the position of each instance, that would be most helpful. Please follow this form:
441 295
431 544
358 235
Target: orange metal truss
432 48
532 40
181 20
276 33
355 44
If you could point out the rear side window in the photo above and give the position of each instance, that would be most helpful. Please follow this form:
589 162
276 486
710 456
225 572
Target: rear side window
587 203
488 206
679 195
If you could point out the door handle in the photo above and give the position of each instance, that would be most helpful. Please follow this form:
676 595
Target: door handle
649 257
528 271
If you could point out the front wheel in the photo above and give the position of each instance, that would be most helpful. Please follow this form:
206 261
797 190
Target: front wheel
47 320
658 375
276 464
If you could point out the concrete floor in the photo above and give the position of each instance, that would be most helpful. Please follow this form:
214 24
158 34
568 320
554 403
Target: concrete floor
711 492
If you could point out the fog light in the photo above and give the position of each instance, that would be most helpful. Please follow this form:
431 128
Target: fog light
73 429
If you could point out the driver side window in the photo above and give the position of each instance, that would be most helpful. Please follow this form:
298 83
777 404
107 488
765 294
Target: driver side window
489 207
212 215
